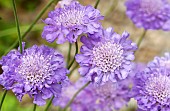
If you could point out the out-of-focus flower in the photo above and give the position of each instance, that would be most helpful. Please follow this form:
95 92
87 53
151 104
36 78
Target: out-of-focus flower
67 23
152 90
107 57
105 97
85 100
62 3
149 14
161 62
38 72
111 96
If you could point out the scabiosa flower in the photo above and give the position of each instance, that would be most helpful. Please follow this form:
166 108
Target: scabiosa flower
152 88
113 96
38 72
107 57
84 101
69 22
149 14
161 62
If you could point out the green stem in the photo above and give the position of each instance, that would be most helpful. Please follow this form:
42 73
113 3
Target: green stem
97 3
48 105
3 98
38 17
12 31
72 70
31 26
75 95
35 106
20 43
17 25
141 38
69 54
112 8
76 44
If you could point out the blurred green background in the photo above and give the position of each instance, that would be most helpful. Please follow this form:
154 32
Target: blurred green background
156 42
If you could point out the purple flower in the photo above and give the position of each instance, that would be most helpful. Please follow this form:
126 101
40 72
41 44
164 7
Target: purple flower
152 90
71 21
107 57
38 72
161 62
105 97
149 14
113 96
85 100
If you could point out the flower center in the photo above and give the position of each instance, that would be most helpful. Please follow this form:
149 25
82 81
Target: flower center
159 87
151 6
108 56
73 16
107 89
35 68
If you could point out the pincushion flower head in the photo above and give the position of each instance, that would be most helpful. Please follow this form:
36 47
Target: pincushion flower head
38 72
67 23
107 57
152 90
161 62
149 14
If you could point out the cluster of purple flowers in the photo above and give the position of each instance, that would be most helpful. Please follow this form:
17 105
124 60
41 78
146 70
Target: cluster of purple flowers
105 59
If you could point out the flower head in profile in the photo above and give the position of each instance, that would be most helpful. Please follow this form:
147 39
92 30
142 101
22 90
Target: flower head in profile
67 23
38 72
152 90
161 62
107 57
149 14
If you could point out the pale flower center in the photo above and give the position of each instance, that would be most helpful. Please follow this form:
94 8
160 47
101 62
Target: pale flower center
108 56
151 6
159 87
35 68
107 89
71 17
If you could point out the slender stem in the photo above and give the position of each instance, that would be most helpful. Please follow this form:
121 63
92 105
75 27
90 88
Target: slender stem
38 17
20 44
48 105
97 3
112 8
31 26
72 70
17 25
141 38
76 44
75 95
69 54
35 106
3 98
